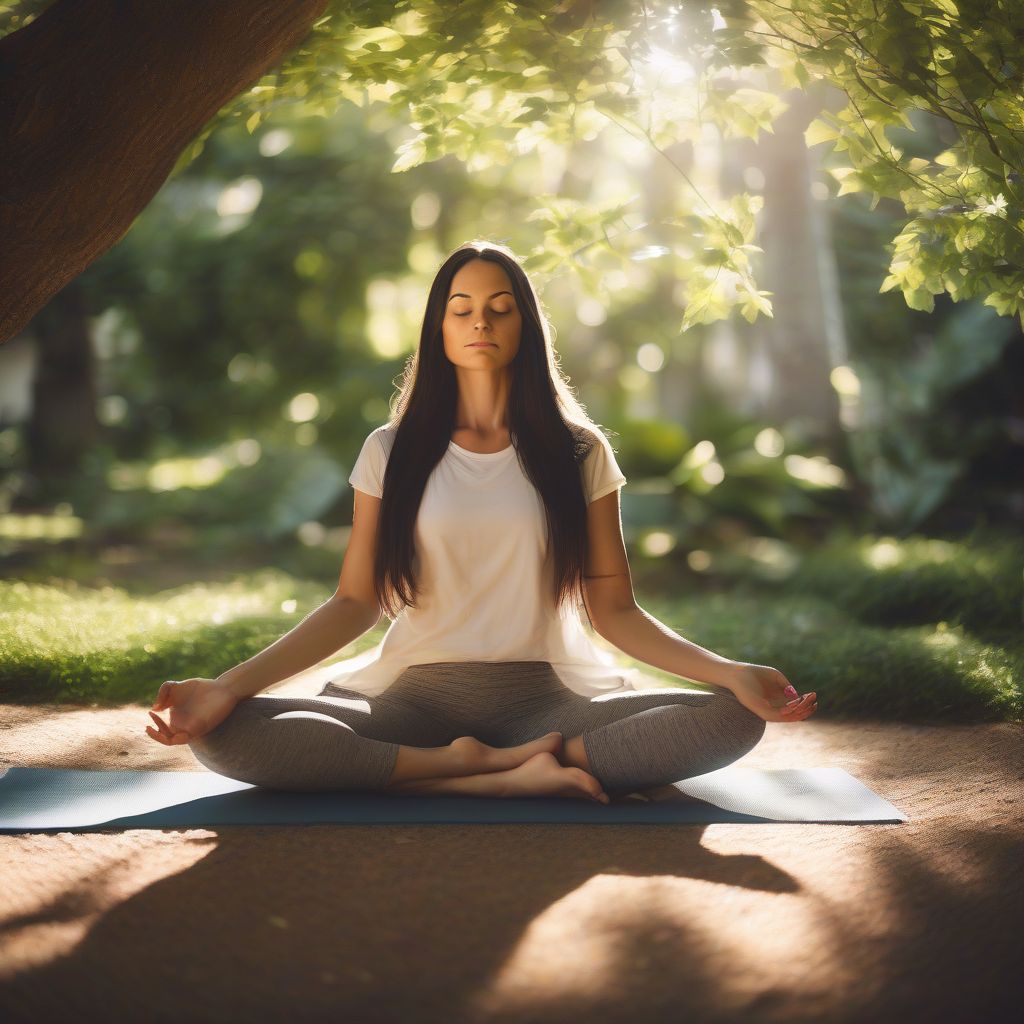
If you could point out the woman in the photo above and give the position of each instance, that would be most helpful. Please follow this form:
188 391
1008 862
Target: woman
486 512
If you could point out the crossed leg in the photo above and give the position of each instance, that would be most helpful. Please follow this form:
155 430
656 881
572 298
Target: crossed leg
616 745
300 743
632 741
647 738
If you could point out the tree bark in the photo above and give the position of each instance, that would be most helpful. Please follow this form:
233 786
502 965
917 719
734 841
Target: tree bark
805 338
63 425
97 103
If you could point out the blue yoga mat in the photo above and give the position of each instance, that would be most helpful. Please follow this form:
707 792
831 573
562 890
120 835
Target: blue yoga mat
72 800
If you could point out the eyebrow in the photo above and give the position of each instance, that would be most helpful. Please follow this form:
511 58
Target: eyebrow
463 295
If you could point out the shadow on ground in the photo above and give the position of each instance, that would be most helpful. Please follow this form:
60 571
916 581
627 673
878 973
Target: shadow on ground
509 923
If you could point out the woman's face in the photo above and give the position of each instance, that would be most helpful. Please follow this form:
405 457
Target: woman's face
481 308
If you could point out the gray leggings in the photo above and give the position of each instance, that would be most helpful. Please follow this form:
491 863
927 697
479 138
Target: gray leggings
344 740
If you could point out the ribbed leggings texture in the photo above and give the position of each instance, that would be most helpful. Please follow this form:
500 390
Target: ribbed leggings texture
344 740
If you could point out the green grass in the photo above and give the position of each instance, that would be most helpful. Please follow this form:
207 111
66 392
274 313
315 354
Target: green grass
75 644
914 630
918 580
912 673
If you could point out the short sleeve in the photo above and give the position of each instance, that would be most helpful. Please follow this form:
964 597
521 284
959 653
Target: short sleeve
601 473
368 472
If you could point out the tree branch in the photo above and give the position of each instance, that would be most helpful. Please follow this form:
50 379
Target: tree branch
97 103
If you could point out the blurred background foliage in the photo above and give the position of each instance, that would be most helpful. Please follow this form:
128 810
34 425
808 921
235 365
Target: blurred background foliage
803 359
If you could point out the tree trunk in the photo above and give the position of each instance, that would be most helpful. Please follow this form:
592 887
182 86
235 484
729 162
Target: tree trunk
63 424
805 338
97 103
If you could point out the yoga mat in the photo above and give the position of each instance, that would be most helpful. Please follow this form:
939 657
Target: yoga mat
72 800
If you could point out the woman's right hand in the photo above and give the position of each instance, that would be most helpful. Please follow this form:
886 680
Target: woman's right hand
197 706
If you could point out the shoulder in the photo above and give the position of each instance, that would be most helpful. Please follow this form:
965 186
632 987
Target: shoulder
383 438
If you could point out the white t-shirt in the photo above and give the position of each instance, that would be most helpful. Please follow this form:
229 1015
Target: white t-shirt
485 587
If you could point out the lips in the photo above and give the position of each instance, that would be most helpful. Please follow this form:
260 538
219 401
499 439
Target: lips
482 344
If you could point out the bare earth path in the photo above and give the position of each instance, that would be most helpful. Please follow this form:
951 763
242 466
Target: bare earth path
549 923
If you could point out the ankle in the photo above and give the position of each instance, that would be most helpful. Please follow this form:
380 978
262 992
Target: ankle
573 754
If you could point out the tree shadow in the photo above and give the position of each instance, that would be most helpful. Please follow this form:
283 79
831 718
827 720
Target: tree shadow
524 922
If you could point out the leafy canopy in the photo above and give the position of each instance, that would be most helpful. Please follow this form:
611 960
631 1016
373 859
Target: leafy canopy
486 81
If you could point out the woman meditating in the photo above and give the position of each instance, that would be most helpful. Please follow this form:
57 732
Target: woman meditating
486 513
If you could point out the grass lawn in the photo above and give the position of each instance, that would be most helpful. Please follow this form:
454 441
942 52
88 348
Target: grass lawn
911 629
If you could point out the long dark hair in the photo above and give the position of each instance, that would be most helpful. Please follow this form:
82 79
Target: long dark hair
549 428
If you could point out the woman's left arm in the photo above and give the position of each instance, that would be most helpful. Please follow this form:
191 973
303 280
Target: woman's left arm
608 594
612 607
638 634
759 688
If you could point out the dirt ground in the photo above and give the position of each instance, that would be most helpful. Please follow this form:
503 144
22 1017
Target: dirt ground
918 921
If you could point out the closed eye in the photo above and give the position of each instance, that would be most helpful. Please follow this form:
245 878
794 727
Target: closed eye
496 312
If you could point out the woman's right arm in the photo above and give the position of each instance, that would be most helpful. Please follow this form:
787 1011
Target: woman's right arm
337 622
350 612
196 706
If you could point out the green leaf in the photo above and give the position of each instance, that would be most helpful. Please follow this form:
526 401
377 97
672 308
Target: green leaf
819 131
919 298
410 154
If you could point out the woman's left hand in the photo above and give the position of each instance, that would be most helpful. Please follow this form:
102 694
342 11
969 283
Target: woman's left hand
769 694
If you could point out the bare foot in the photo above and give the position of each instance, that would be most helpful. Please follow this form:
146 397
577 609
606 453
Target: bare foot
542 775
480 758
